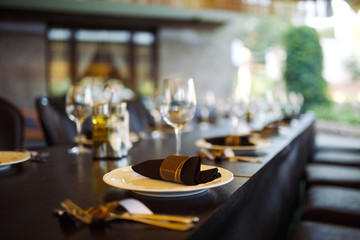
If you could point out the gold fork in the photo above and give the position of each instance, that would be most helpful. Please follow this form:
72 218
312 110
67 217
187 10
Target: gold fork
76 211
107 208
86 217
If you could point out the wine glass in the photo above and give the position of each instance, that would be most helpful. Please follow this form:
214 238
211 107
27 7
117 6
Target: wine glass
207 105
240 105
178 104
78 108
152 104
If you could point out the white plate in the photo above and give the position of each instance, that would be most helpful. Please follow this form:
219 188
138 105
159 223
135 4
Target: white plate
12 157
126 178
260 143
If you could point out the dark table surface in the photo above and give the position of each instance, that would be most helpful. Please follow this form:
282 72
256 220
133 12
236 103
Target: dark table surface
257 204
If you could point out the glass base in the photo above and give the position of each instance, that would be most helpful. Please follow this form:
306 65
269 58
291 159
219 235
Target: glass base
79 150
157 134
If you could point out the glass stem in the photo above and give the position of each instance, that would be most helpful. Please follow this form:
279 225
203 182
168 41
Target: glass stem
78 130
178 140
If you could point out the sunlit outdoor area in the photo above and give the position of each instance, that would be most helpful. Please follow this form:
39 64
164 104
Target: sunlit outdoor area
338 58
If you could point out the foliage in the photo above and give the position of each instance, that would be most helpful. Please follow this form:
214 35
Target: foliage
59 87
326 32
261 83
260 32
344 113
146 88
353 65
304 65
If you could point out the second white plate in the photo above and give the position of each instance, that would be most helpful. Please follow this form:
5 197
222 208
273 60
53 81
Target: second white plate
202 143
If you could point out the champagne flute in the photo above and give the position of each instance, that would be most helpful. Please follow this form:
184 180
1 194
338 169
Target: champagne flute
78 108
178 104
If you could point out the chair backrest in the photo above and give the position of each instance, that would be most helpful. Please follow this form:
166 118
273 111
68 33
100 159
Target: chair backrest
57 127
12 126
140 118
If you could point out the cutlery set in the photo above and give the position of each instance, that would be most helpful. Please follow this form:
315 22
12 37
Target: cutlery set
135 211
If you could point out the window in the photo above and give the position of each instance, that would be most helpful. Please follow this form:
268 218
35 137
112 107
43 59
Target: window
74 54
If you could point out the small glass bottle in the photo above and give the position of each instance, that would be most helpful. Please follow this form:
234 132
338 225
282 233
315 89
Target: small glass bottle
100 122
119 132
126 126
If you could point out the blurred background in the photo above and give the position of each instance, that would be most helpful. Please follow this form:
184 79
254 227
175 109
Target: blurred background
307 47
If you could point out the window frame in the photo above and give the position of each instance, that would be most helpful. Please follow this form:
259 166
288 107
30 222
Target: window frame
133 79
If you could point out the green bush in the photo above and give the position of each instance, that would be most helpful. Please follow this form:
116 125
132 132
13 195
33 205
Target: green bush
257 32
342 113
304 65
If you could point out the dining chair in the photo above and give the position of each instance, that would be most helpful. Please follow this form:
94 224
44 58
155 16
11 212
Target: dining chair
58 129
333 204
140 117
12 126
338 149
312 230
332 175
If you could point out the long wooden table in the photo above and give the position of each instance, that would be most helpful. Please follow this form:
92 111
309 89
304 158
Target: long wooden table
257 204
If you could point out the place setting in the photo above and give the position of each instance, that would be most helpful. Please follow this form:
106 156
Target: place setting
175 175
234 142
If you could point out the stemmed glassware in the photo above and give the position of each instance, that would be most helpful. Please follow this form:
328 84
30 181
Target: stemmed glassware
240 104
296 101
152 104
178 104
78 108
207 105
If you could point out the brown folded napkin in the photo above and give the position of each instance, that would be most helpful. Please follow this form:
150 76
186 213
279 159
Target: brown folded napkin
231 140
269 129
177 168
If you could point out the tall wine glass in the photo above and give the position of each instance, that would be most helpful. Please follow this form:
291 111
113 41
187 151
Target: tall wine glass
178 104
78 108
240 104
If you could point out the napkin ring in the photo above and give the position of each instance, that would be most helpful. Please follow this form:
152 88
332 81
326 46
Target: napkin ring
170 169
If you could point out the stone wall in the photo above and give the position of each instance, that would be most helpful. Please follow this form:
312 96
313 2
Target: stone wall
22 71
201 53
204 54
22 62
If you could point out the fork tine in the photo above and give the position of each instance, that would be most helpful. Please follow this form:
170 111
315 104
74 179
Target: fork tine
76 207
76 211
103 210
79 212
